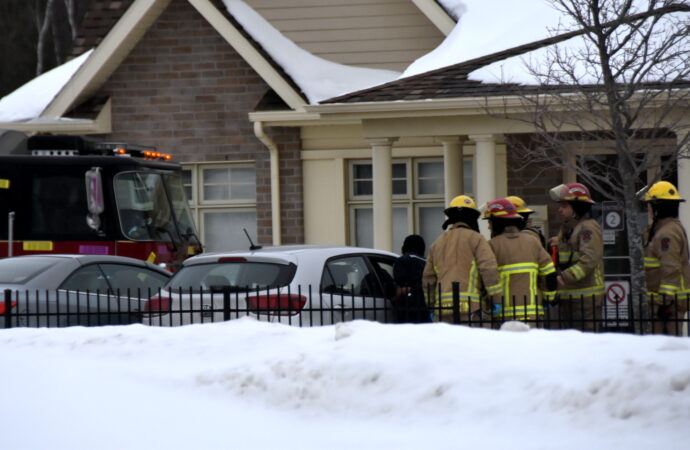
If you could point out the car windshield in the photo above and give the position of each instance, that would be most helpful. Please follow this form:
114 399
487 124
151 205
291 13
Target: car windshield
242 275
20 270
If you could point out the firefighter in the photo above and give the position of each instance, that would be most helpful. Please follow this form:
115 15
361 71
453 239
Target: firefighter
580 259
522 262
667 271
526 225
461 254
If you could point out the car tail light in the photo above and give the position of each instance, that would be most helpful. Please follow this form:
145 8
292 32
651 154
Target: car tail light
227 259
157 305
280 304
2 306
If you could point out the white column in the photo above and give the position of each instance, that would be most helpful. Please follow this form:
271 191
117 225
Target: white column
684 180
382 164
453 179
484 173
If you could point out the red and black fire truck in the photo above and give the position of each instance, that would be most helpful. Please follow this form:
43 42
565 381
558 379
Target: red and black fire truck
77 195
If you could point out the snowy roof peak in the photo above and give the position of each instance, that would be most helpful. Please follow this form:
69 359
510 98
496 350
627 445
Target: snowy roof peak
30 100
318 78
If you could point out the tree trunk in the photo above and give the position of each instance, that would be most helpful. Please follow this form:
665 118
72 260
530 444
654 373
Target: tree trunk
43 35
638 286
71 17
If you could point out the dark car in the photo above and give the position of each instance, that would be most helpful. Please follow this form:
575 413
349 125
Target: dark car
62 290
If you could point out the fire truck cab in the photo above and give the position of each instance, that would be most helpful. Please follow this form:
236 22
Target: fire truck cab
72 194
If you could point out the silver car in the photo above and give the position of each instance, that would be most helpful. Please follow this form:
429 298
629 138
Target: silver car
62 290
289 284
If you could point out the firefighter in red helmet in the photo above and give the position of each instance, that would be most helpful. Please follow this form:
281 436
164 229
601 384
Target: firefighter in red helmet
522 263
580 259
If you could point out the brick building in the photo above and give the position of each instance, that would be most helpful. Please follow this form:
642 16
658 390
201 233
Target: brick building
258 153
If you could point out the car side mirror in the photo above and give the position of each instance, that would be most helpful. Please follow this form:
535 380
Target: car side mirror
94 197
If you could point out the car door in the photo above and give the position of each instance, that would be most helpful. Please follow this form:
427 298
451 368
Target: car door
82 296
383 267
354 289
106 293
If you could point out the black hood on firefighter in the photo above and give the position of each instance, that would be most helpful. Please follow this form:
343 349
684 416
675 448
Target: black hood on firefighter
467 216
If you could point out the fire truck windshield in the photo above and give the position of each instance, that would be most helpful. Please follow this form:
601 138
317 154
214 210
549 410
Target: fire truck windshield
146 213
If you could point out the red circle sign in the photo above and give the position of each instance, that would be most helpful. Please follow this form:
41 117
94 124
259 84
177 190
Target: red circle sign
615 293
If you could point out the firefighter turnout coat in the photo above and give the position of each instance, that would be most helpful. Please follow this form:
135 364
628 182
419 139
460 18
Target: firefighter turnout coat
580 259
667 270
521 261
463 255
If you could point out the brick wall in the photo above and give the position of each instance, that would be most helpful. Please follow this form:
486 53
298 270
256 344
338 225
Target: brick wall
186 91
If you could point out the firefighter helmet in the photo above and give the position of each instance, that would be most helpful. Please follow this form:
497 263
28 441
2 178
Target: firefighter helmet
463 201
520 206
501 208
660 191
571 192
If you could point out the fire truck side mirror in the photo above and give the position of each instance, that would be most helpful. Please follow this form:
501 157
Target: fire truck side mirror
94 197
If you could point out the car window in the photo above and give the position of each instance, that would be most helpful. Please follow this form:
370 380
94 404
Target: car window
240 274
383 265
87 278
137 279
21 270
349 275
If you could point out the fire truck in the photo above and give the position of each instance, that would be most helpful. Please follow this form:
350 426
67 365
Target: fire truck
77 195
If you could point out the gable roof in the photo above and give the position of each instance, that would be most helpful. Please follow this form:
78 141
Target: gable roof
114 27
98 20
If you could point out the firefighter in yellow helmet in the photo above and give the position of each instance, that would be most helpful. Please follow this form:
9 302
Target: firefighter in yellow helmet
580 259
667 271
522 262
461 254
526 225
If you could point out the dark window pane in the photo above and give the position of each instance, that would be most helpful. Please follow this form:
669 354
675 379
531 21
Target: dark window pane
363 188
363 171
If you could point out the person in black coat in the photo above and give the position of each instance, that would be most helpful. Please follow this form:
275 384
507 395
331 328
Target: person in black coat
408 303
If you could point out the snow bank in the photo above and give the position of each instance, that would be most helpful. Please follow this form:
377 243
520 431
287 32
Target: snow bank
256 385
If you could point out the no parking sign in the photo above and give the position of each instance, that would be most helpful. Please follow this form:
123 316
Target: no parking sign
617 293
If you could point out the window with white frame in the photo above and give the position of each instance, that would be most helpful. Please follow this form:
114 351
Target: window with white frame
418 199
222 198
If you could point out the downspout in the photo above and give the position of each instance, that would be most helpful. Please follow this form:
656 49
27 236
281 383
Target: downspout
275 179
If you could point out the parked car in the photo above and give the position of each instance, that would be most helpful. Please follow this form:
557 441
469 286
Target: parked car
290 284
62 290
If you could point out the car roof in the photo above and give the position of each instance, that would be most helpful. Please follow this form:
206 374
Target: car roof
90 259
285 252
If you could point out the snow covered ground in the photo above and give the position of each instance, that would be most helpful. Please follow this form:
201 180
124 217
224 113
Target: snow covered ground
250 385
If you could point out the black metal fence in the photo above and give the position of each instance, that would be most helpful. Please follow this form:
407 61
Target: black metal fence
309 307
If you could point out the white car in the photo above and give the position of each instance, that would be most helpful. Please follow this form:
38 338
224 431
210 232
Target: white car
289 284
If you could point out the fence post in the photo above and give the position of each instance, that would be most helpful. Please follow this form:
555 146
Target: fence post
456 302
8 308
226 303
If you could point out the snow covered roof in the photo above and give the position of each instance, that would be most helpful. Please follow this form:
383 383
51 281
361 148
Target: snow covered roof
485 54
444 73
311 76
318 78
30 100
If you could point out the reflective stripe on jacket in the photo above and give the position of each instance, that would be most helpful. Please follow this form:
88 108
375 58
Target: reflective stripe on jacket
463 255
667 270
521 261
581 259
